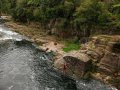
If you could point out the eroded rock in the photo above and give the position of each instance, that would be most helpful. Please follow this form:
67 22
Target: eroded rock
93 55
110 63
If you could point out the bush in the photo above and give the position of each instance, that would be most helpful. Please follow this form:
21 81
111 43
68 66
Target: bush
19 14
105 18
37 13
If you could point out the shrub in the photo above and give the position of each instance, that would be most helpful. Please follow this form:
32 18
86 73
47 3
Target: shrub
19 14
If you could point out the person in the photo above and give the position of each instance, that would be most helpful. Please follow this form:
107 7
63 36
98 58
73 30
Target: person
64 68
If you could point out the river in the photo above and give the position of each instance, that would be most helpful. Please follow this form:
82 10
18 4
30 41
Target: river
25 67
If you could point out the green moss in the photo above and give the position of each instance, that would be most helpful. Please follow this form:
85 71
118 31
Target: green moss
69 46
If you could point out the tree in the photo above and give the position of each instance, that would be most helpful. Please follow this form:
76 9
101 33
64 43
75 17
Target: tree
86 15
4 6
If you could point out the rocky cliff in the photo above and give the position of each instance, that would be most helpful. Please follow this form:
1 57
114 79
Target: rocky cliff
100 57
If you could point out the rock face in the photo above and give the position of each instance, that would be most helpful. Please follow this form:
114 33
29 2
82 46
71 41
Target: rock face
77 63
103 54
74 64
110 63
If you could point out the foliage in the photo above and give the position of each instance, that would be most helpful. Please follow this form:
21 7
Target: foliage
87 14
69 46
4 6
78 15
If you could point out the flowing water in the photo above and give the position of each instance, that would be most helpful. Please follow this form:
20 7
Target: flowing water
25 67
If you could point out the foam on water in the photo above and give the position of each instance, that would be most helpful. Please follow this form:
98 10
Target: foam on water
6 33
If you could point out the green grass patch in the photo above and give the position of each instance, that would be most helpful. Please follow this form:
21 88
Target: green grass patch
69 46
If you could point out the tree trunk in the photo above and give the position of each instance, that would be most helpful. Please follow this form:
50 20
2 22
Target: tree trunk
88 31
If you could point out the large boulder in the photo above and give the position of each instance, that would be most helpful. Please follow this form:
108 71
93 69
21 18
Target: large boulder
74 64
77 63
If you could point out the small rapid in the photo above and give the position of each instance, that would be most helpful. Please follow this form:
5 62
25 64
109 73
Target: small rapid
6 33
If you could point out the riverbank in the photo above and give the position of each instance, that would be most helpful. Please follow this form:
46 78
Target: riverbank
95 49
37 35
